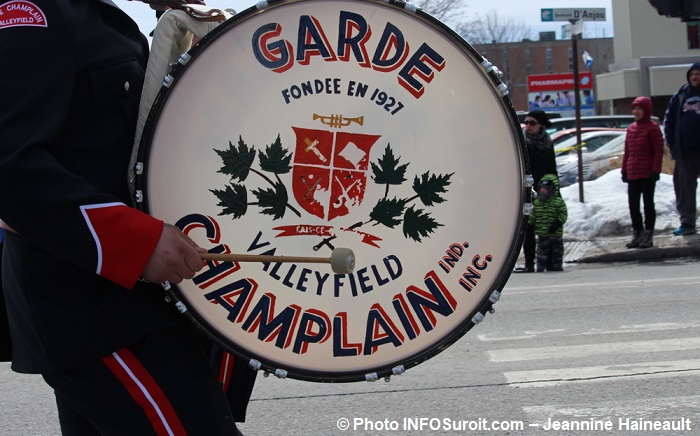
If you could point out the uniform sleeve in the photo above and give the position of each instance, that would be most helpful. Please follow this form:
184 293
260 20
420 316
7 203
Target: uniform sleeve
43 196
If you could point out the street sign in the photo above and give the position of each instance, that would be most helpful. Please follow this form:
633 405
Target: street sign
577 14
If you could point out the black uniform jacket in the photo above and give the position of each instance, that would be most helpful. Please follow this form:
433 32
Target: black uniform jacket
72 73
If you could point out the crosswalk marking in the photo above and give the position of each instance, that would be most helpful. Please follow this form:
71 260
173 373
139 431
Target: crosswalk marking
552 377
639 408
585 350
625 329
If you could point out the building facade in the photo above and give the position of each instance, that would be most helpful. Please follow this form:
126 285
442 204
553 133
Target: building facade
652 54
518 60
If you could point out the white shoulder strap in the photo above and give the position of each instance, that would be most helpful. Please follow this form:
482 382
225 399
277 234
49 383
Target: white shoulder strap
172 37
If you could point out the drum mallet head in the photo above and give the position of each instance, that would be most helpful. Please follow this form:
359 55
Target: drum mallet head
342 260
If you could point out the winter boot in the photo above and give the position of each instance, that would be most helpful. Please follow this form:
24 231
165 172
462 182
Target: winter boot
636 238
645 241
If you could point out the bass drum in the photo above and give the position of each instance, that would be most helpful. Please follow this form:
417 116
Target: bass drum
300 126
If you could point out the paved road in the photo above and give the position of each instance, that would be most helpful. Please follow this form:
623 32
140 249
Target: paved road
598 345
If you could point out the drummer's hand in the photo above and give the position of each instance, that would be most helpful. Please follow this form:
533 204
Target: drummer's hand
175 258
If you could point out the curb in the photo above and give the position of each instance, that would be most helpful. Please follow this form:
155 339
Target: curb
665 246
642 254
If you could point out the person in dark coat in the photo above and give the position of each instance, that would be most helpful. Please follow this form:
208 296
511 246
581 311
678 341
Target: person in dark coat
641 166
682 130
81 269
540 152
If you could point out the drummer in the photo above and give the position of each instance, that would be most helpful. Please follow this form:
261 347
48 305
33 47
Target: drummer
81 270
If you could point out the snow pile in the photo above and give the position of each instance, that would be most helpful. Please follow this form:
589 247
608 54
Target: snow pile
604 211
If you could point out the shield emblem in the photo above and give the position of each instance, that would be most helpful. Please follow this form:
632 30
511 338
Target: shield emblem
330 170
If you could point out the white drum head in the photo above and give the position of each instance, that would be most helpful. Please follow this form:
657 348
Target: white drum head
317 124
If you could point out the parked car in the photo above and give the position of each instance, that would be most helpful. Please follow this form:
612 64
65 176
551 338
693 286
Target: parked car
563 135
612 121
591 141
595 163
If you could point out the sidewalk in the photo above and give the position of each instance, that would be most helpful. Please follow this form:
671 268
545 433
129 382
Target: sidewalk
612 249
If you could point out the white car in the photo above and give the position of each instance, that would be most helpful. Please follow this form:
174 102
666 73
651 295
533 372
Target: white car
563 135
594 163
591 141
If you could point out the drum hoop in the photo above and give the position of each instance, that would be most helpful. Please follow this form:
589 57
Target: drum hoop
475 316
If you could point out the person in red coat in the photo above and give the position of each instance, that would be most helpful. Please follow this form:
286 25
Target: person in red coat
641 166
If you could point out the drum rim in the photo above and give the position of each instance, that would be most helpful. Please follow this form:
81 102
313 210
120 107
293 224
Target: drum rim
449 338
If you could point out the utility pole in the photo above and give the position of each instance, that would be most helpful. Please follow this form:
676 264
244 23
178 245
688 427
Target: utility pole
575 35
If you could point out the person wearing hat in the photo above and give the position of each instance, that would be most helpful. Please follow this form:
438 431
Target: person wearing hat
540 153
682 130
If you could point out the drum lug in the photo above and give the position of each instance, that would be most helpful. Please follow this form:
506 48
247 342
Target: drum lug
168 80
280 373
254 364
371 377
488 66
529 181
491 68
262 4
138 195
181 307
184 58
476 319
398 370
138 168
410 7
495 296
503 89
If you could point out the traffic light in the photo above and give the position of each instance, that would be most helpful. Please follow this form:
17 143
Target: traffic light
686 10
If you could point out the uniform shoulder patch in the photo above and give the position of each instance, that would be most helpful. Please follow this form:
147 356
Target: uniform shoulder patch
21 13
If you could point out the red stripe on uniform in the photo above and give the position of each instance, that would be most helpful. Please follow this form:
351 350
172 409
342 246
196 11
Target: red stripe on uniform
225 369
145 392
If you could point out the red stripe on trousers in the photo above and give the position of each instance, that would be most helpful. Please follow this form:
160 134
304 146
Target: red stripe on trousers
225 369
145 392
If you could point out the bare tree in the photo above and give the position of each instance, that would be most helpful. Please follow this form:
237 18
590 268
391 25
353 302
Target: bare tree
493 28
449 12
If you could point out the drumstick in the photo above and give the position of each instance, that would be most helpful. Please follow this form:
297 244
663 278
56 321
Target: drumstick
342 260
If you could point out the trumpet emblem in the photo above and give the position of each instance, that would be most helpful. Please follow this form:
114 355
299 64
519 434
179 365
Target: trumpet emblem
338 120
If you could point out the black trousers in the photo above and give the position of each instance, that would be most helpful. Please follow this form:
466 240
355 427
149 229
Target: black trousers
550 253
685 184
641 189
162 384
